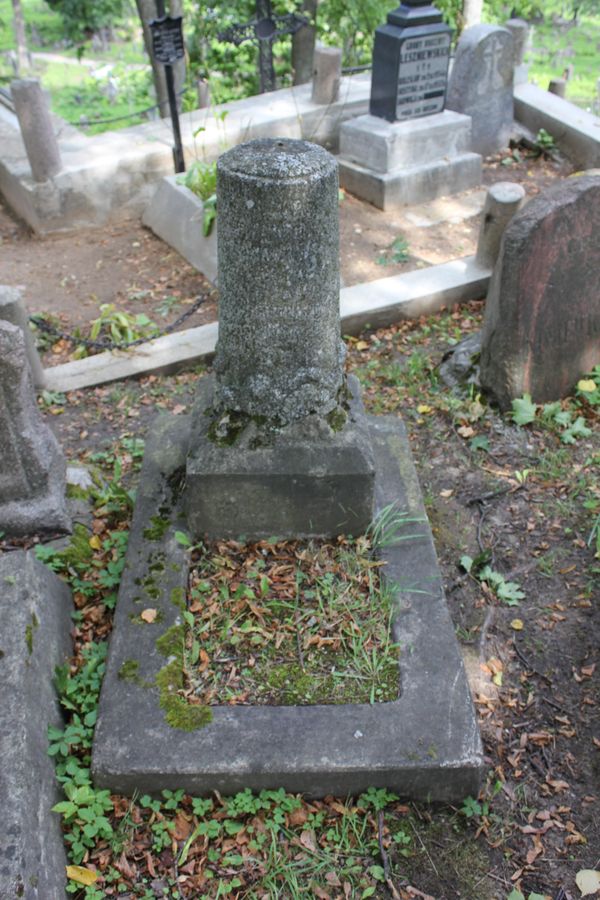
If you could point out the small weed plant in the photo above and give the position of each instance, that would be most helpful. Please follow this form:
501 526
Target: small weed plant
201 179
508 592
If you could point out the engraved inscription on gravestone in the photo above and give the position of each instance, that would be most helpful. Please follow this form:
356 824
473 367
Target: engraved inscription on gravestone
410 63
422 76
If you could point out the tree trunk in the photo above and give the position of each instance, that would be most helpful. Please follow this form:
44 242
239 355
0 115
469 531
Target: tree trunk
147 11
19 27
472 12
303 44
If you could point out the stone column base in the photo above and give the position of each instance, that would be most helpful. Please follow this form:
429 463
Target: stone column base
308 479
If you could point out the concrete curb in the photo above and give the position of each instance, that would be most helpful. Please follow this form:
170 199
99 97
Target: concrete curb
424 745
374 304
576 131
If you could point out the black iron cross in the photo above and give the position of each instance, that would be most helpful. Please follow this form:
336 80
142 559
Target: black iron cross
264 28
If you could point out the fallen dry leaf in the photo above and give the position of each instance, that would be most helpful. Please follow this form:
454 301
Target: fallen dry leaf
81 875
588 881
149 615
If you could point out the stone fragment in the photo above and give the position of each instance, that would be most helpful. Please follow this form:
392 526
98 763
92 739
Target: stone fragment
35 623
12 309
481 85
32 467
502 201
37 130
541 330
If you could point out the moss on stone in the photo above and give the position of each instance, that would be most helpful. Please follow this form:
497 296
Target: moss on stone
130 670
337 418
156 529
178 597
179 712
30 630
171 642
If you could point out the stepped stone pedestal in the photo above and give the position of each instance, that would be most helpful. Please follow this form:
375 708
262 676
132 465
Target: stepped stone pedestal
393 164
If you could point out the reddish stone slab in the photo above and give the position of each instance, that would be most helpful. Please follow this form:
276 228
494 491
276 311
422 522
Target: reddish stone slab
541 330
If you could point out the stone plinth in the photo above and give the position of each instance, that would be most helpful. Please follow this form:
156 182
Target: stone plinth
395 163
32 467
541 330
306 479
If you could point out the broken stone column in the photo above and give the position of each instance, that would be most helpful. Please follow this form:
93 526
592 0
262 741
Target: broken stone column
32 467
327 74
37 129
12 309
520 32
281 445
502 201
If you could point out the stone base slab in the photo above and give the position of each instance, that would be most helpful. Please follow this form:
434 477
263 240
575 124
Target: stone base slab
35 624
425 745
381 146
307 480
176 215
414 184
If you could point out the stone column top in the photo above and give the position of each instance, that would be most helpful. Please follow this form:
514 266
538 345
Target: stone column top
284 161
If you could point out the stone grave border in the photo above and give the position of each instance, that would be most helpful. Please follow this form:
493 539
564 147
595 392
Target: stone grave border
425 745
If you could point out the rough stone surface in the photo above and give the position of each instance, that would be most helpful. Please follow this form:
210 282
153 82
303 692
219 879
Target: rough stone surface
327 74
305 479
176 215
481 85
32 467
424 745
37 129
35 624
279 353
541 329
503 200
13 310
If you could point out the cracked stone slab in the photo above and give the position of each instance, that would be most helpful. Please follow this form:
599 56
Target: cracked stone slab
424 745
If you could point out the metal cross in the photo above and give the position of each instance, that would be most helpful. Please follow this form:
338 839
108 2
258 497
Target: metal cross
264 28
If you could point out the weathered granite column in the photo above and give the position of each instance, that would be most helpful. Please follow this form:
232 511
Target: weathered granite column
281 446
37 129
279 352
